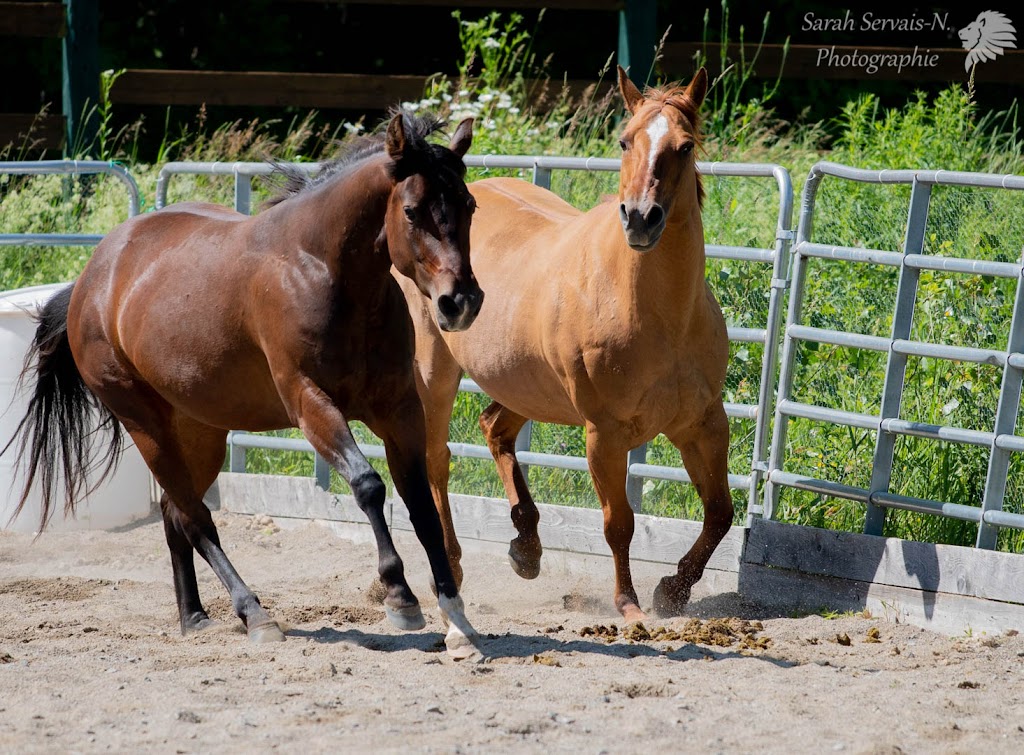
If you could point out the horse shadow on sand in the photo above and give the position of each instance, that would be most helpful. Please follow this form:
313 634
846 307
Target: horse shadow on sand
512 645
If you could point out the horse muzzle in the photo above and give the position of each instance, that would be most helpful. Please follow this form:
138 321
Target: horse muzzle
457 311
643 229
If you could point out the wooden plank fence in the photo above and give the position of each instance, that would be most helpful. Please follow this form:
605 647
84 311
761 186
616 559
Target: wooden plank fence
346 91
377 92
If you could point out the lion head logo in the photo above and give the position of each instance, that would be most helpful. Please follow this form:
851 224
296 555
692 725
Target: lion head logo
986 37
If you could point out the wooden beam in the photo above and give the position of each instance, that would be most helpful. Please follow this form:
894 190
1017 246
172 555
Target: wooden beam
790 591
33 131
887 561
340 91
562 528
834 63
597 5
315 90
32 20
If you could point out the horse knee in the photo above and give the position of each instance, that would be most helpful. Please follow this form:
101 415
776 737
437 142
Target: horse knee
718 514
369 491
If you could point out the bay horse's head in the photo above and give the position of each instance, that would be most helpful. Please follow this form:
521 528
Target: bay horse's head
428 217
658 160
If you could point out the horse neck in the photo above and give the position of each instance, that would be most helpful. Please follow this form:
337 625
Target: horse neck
670 278
341 221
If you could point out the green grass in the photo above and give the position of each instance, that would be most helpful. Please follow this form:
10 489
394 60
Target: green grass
945 132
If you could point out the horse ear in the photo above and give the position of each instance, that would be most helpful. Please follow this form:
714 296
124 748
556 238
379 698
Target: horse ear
462 139
630 94
698 88
394 139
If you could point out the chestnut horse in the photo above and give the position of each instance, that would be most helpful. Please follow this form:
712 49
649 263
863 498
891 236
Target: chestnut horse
601 319
195 319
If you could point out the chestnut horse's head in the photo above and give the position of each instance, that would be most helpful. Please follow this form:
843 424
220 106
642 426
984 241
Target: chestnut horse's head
658 160
428 217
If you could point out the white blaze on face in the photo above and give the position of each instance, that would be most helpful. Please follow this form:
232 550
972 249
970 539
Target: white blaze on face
656 131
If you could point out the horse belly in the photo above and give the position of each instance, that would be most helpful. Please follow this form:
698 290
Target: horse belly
536 395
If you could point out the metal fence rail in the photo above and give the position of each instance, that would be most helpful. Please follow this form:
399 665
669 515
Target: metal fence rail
541 168
67 167
888 425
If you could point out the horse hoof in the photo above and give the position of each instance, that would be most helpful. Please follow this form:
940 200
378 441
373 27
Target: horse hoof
632 614
525 566
669 599
407 619
266 633
197 622
461 647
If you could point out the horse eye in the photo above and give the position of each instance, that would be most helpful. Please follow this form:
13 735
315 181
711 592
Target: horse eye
686 149
410 214
622 143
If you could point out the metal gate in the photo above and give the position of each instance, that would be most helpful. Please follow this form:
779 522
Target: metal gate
899 347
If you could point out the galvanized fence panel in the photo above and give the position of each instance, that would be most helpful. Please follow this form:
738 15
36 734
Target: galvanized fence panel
541 168
67 167
888 425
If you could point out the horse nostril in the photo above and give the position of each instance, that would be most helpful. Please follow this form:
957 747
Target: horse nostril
448 307
623 214
654 216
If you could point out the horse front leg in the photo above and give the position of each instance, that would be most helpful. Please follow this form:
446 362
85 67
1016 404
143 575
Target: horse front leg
705 450
404 435
606 457
327 430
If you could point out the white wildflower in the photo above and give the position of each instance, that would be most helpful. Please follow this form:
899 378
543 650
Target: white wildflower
491 43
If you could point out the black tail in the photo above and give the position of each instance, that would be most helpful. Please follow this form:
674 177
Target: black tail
56 439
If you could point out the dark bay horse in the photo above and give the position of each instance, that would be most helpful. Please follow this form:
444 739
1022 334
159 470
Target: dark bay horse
601 319
196 319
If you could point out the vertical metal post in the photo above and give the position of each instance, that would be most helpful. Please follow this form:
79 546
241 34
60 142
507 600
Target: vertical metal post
542 177
236 455
523 444
634 484
896 368
322 472
638 36
796 295
81 76
1006 421
779 286
243 192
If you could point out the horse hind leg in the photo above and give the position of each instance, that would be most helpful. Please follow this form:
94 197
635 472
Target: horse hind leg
186 590
500 426
705 451
185 457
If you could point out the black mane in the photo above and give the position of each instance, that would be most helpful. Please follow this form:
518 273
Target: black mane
421 157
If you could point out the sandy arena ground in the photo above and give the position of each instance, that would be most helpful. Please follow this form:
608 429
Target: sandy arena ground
91 660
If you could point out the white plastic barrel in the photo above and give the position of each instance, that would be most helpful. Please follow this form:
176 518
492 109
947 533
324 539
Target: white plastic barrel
123 498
